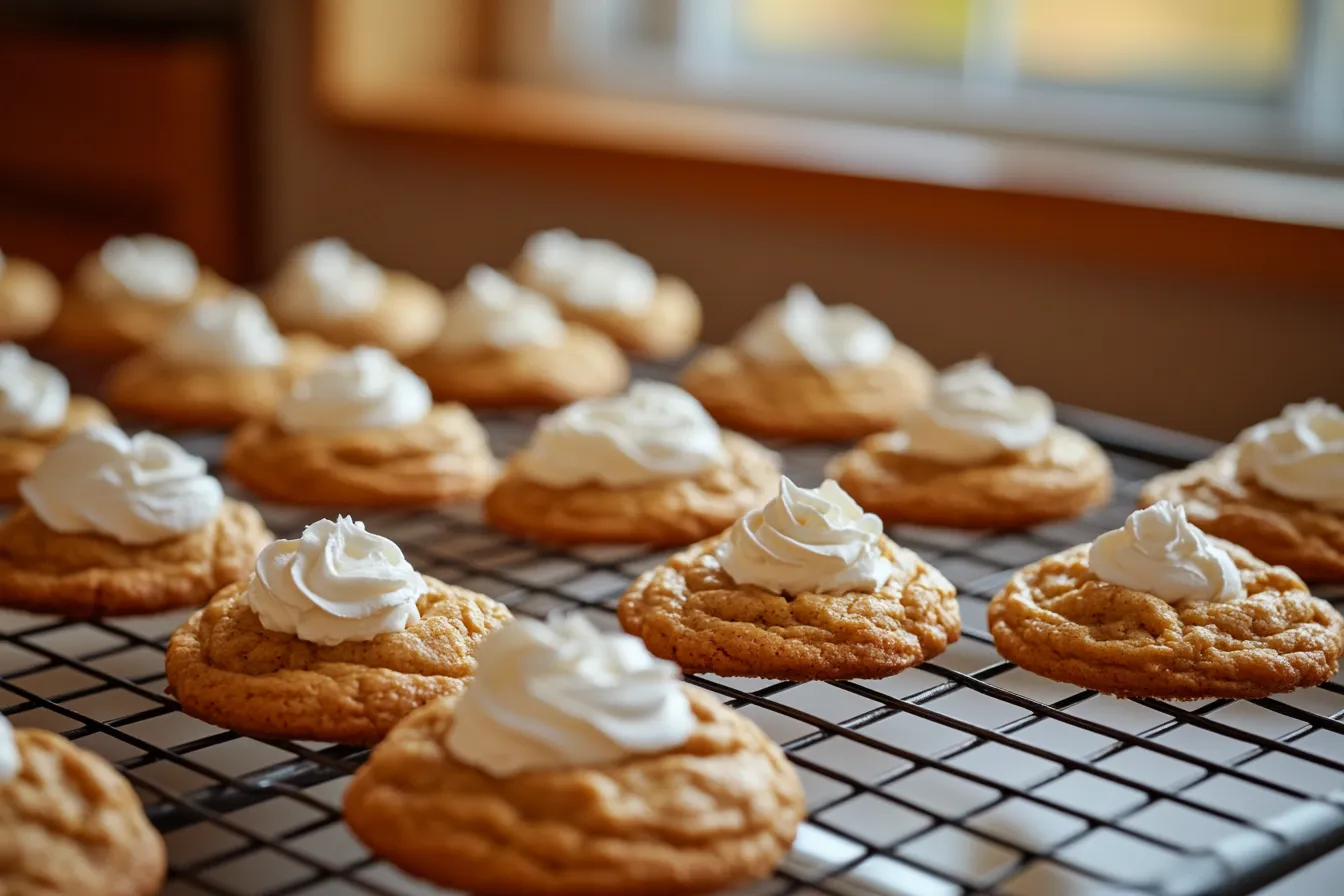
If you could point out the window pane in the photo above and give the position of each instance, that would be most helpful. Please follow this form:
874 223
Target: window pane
1239 47
923 32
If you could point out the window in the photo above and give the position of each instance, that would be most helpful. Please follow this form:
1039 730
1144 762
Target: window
1257 79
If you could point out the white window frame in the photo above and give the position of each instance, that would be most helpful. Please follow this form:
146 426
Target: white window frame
580 46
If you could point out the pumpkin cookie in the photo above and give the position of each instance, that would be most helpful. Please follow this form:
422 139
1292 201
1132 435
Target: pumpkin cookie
648 467
328 289
124 297
1278 491
30 297
633 783
808 371
601 285
115 525
362 430
503 345
1159 609
36 411
335 637
69 824
220 363
981 454
805 588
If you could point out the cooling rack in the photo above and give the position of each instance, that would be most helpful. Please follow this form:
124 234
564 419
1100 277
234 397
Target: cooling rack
965 775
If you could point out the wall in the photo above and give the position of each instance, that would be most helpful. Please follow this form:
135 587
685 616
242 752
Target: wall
1208 358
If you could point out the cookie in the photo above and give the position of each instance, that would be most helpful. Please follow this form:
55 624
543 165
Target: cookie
22 452
736 605
227 669
1057 618
1063 475
30 297
71 826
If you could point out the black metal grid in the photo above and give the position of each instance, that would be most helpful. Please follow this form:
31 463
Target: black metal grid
964 775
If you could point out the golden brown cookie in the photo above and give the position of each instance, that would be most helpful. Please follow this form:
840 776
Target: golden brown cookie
1063 475
30 297
83 576
99 316
691 612
150 386
71 826
1057 619
666 512
228 670
798 401
667 328
586 364
406 319
1301 536
21 453
719 810
444 457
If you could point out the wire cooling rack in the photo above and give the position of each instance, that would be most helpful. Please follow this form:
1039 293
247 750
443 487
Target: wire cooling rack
965 775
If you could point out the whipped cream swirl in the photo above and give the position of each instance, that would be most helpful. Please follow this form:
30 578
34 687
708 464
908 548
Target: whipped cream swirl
974 415
364 388
813 541
150 267
137 490
33 396
595 274
335 583
655 431
232 331
495 311
1299 454
328 280
1160 553
562 694
9 752
800 329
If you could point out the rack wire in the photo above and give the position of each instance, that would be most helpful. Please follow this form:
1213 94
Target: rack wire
965 775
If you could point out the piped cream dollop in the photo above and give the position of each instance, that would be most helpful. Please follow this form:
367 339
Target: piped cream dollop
799 328
655 431
974 415
33 395
1159 552
336 583
1299 454
563 695
364 388
137 490
151 267
10 762
231 331
595 274
816 541
493 310
328 280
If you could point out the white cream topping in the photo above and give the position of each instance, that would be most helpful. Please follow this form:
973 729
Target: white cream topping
1299 454
495 311
816 541
151 267
335 583
33 396
974 415
328 280
563 695
591 273
655 431
137 490
800 328
231 331
1160 553
9 752
364 388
